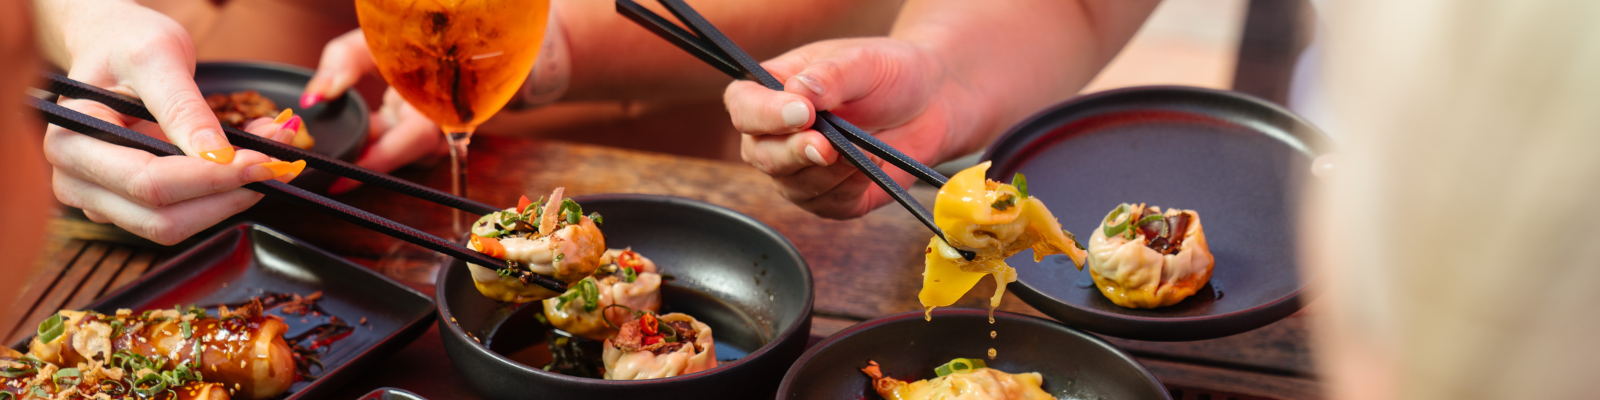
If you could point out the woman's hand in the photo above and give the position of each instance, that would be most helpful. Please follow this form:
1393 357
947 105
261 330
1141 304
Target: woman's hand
129 49
399 134
897 91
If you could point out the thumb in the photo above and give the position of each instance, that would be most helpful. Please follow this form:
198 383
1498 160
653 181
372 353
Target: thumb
166 85
344 60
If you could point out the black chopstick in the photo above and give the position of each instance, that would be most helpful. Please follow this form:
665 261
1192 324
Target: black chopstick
132 107
710 45
96 128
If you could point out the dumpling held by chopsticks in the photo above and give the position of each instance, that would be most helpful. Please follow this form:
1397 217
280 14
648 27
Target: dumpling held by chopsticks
549 237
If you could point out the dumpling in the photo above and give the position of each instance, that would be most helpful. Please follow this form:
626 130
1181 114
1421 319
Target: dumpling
994 221
652 347
551 238
625 279
961 379
1141 257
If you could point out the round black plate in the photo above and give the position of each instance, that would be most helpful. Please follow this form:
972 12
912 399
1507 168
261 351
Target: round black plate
1233 158
731 258
1075 365
339 126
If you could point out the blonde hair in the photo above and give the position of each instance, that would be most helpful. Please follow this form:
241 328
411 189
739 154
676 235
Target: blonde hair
1457 252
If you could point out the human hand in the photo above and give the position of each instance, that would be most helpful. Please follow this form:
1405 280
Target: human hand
129 49
398 135
896 90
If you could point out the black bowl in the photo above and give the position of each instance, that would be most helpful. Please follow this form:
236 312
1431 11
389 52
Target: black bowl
733 273
1075 365
339 126
1235 159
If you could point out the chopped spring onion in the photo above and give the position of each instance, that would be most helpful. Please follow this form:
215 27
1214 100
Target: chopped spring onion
959 365
1153 218
1021 182
1004 202
629 275
1113 228
187 329
70 374
52 328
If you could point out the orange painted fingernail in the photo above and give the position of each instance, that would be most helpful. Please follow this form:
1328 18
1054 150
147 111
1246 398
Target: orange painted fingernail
213 147
281 168
283 116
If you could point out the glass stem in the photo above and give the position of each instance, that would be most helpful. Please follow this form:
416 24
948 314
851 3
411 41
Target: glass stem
458 175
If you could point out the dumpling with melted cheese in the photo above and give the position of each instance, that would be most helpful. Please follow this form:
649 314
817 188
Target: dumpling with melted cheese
974 381
992 221
1142 257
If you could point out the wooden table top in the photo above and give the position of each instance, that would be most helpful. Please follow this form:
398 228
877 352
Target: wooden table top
863 268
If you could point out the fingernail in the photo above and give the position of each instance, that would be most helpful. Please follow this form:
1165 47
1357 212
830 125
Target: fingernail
310 99
259 172
212 146
292 125
342 185
281 168
795 114
814 155
283 116
810 83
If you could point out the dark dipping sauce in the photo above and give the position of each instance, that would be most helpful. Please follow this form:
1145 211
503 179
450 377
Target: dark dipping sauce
522 336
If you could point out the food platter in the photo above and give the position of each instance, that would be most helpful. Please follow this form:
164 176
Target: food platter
1074 364
246 260
728 270
339 126
1235 159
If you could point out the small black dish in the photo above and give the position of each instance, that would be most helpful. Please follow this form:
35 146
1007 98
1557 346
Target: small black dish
732 272
1235 159
243 261
389 393
339 126
1075 365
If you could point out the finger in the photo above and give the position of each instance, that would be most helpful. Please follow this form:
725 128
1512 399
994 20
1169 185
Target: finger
344 60
844 201
875 84
144 178
783 155
166 84
757 110
165 225
272 130
812 182
412 137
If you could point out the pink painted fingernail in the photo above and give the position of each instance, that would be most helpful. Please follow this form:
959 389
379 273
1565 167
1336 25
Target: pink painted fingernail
293 125
310 99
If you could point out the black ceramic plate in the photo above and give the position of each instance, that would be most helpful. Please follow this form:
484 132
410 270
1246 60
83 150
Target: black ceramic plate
1234 159
240 262
391 394
339 126
1075 365
740 277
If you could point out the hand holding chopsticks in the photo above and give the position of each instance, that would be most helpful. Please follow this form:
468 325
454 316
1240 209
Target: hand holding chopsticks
99 129
708 44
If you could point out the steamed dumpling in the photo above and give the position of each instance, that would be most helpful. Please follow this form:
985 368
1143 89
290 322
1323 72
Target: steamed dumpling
625 278
551 238
1141 257
971 384
652 347
994 221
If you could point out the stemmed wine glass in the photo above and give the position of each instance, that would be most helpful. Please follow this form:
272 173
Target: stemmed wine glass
457 61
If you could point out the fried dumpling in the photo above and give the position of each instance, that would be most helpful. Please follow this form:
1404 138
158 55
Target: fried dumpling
974 381
548 237
626 282
1141 257
992 221
652 347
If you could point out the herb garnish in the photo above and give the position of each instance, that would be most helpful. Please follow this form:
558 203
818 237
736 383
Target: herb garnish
959 365
1021 182
1004 203
52 328
629 275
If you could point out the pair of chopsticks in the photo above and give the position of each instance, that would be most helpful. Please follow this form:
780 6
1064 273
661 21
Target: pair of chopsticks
705 42
96 128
